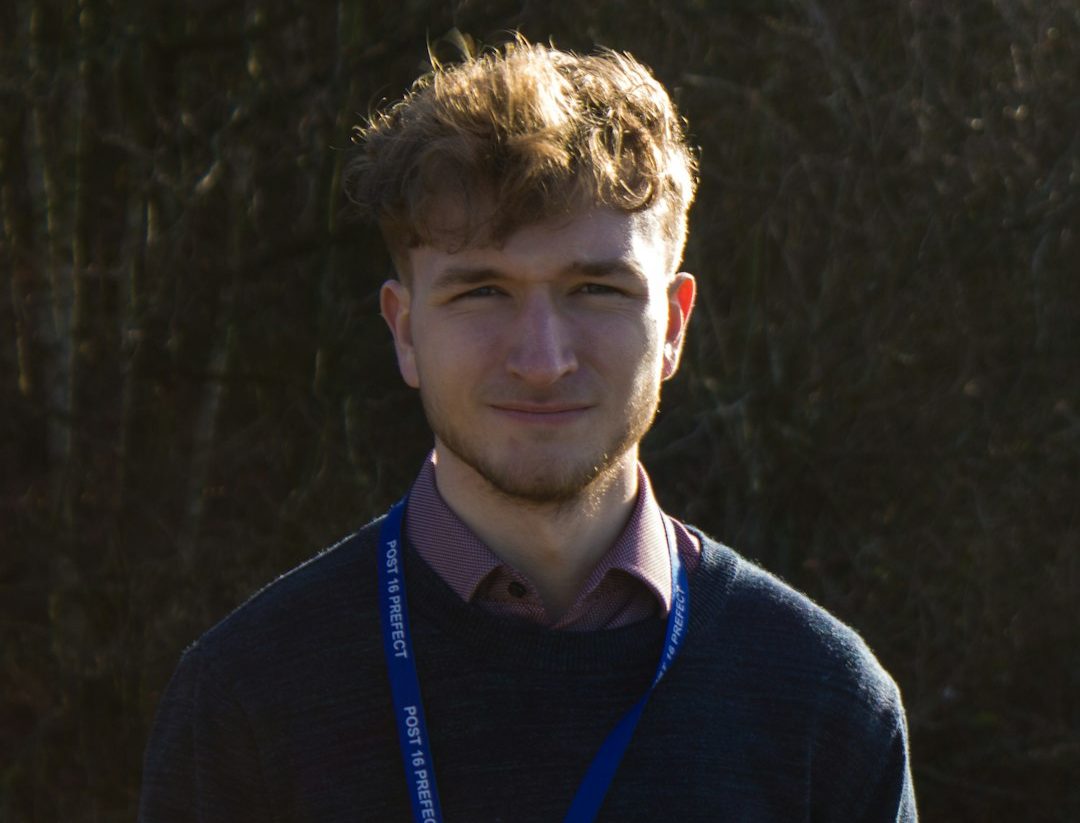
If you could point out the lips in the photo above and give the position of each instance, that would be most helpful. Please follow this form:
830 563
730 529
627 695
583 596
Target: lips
540 408
542 412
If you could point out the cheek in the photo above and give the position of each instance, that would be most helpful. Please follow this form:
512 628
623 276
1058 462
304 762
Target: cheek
634 341
448 356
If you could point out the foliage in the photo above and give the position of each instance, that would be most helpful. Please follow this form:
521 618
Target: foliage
879 401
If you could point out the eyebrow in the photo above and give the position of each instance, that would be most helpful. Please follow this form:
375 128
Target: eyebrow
607 268
464 276
458 276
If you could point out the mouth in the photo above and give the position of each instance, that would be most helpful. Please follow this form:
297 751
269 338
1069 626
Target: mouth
549 413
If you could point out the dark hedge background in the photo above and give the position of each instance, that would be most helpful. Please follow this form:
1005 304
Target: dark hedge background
880 399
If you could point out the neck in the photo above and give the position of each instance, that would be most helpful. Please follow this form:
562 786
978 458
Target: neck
556 545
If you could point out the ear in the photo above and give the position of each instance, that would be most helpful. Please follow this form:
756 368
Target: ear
681 293
395 301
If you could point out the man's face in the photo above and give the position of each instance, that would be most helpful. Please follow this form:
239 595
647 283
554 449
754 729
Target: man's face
539 362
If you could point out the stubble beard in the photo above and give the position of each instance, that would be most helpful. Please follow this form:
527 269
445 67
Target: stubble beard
539 487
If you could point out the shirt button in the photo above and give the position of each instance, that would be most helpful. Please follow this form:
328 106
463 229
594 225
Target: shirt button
517 589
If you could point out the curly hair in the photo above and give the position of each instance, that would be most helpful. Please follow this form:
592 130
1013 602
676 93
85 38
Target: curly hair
517 135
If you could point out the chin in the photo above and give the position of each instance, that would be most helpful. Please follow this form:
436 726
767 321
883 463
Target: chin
548 481
551 469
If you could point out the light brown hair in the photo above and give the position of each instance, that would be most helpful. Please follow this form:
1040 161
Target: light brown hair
517 135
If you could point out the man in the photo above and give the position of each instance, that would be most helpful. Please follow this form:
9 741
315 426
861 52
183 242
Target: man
529 637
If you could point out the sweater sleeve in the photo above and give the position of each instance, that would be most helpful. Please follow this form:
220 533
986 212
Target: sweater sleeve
892 796
201 762
866 765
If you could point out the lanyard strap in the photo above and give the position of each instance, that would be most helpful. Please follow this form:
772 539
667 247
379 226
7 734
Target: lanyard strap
405 685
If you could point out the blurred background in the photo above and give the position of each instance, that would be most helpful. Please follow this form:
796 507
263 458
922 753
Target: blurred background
880 399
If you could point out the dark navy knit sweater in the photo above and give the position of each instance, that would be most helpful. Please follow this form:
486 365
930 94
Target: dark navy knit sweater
773 711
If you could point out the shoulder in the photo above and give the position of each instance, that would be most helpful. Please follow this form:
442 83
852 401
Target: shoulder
796 673
311 607
778 631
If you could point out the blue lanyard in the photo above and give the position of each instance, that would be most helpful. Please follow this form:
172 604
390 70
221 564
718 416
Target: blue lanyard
405 685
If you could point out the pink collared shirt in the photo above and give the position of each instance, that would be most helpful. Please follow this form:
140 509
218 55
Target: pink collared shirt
630 583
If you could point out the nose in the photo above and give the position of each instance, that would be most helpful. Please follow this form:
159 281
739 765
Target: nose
542 349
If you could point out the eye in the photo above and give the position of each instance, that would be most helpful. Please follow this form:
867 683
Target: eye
479 291
597 288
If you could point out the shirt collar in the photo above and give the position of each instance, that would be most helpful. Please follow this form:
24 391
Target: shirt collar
463 561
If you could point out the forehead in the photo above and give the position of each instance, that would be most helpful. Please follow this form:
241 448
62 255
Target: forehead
545 249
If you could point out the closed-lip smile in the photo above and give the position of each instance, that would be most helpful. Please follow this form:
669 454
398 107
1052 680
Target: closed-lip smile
541 412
